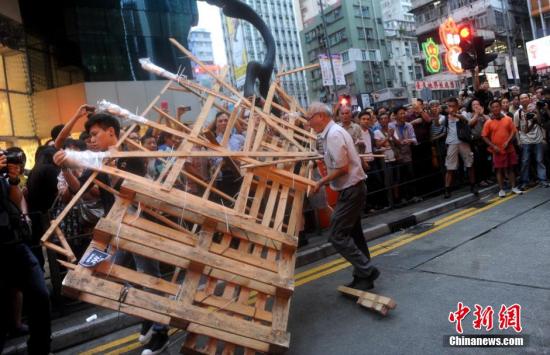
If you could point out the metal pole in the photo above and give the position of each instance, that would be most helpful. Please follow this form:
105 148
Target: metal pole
508 40
385 83
542 19
327 46
366 45
531 19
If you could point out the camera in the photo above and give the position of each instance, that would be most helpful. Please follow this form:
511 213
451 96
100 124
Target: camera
542 104
12 158
530 116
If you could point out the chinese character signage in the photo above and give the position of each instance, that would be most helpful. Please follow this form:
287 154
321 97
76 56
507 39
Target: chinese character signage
450 38
437 85
431 52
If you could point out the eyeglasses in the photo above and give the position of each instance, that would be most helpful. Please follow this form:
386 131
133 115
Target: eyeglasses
312 116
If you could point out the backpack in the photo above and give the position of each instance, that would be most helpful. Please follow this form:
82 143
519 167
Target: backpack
463 130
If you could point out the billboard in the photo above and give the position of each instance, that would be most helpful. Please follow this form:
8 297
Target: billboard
239 58
537 52
326 69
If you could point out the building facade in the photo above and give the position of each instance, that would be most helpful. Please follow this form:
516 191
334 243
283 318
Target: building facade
506 21
200 44
399 26
307 10
355 30
244 44
540 17
58 55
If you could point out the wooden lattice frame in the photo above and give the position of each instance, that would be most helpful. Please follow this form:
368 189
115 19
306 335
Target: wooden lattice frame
234 268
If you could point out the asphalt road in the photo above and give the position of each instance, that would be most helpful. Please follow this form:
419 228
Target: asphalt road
494 253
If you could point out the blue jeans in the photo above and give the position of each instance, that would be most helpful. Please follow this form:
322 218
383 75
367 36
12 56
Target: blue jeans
526 152
20 269
143 265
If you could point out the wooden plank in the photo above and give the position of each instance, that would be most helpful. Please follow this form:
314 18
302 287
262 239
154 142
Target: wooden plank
297 70
186 146
228 337
192 203
161 305
182 236
386 301
198 219
166 249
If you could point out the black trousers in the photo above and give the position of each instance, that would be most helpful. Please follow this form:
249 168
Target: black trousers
346 233
20 269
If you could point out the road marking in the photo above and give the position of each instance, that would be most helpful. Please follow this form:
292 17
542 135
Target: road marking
337 264
137 344
403 241
112 344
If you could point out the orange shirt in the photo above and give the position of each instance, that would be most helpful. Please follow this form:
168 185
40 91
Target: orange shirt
498 132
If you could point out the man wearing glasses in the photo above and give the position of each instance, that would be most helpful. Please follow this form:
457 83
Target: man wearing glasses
345 175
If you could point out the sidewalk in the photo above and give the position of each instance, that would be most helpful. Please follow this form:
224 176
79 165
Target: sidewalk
73 329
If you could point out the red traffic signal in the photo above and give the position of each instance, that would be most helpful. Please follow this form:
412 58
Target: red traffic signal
344 100
466 32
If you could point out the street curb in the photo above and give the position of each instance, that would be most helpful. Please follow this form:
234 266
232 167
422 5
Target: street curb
322 251
81 333
113 322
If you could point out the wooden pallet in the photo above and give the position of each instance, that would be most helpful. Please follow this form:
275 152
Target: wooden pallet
232 263
377 303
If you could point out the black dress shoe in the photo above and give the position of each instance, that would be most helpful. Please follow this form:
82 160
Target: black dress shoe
363 284
352 283
374 273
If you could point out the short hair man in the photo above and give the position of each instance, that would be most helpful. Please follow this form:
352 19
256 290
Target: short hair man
531 137
498 133
456 147
346 176
104 131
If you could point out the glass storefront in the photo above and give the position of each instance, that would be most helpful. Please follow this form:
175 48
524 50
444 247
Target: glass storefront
103 40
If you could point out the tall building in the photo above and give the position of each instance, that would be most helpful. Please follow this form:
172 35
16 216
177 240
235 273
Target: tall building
244 44
355 30
200 44
306 10
400 33
507 21
55 56
540 17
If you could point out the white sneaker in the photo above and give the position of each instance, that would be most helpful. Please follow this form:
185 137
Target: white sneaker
502 193
517 191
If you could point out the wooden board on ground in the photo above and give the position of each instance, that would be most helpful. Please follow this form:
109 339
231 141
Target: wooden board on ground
377 303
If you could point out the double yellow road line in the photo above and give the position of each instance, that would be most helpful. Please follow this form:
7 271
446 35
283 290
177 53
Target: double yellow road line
130 342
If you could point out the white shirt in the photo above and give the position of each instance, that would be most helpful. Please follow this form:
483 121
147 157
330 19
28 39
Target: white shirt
339 151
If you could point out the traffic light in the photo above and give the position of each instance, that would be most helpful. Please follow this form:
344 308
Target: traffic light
467 57
482 58
466 32
344 100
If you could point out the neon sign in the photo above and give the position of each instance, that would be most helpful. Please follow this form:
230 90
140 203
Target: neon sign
431 52
450 37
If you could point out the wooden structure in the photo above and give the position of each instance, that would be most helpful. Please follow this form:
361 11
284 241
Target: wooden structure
231 258
377 303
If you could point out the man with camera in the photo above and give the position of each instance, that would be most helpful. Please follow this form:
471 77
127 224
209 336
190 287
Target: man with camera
530 136
18 265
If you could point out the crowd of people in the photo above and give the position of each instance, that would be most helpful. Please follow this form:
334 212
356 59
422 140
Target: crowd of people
375 158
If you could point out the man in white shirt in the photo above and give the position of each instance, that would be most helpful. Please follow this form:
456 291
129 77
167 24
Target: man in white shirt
345 175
